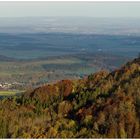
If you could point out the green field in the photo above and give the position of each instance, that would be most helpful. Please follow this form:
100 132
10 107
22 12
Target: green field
9 92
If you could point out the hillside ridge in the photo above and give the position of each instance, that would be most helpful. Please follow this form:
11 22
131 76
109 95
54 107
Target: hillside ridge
102 105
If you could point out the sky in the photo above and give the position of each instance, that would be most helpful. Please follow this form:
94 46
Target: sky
65 9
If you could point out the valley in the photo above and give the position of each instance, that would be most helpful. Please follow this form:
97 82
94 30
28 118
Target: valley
21 74
38 58
69 69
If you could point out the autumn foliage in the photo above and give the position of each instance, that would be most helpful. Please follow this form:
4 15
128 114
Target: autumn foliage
103 105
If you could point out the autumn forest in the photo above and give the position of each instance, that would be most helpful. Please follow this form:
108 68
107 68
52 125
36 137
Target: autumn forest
102 105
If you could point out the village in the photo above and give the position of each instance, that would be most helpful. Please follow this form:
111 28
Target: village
7 86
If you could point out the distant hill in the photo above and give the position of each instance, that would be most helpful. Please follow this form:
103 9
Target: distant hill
102 105
5 58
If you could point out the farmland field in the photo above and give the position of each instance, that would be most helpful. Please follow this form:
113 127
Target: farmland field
9 92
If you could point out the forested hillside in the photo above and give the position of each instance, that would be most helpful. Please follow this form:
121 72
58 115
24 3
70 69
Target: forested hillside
103 105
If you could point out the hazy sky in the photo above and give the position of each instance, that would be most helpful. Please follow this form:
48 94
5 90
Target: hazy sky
91 9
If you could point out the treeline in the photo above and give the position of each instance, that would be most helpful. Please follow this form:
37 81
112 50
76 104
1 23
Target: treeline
103 105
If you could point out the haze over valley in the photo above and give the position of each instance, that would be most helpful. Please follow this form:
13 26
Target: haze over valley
69 69
36 50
